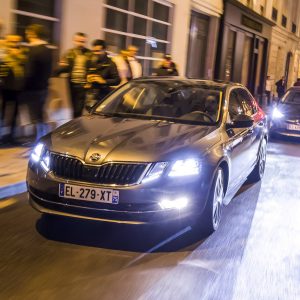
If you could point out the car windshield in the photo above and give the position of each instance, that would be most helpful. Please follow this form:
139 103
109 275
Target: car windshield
291 97
171 100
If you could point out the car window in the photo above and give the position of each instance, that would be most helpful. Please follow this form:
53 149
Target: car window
246 102
181 101
235 107
292 98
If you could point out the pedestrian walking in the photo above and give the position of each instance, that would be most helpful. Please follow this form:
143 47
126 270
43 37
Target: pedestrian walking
12 78
280 87
121 62
127 64
167 67
37 73
74 62
102 71
134 66
268 89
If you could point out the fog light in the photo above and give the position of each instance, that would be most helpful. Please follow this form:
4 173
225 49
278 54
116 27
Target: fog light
178 203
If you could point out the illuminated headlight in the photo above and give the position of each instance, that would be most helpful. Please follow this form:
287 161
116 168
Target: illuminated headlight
178 203
37 152
277 114
185 167
155 172
45 163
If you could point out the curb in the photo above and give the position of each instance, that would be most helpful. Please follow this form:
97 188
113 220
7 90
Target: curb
13 189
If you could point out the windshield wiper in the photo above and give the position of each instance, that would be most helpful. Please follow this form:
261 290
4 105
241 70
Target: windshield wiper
108 114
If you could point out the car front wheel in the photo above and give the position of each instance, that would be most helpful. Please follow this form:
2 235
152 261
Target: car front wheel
213 210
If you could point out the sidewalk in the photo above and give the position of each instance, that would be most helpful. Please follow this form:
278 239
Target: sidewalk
13 167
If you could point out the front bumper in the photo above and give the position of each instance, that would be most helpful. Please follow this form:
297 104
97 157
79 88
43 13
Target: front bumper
280 128
138 204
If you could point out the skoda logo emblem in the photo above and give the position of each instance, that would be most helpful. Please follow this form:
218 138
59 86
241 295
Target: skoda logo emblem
95 157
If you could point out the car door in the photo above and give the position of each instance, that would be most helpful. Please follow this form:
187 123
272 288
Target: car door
239 140
251 109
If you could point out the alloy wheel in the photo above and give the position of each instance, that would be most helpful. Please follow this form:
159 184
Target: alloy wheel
218 199
262 158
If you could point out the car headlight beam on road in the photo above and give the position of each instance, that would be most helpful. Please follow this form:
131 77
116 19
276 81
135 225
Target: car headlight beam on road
185 167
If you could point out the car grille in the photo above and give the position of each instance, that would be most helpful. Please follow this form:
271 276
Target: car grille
108 173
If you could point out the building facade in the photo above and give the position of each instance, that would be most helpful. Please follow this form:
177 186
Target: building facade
242 41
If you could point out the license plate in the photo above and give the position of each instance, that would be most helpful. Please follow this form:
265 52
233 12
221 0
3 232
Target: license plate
293 127
88 194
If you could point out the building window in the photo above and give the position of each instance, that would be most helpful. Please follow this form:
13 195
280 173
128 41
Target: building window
274 14
294 28
44 12
229 60
283 21
262 10
143 23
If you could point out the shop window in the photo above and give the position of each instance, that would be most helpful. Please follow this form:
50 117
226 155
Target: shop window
139 26
229 56
23 21
38 12
246 60
141 44
161 12
274 14
118 3
116 20
160 31
115 42
149 30
141 7
283 21
44 7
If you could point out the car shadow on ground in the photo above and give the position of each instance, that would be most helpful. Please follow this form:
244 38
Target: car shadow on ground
236 223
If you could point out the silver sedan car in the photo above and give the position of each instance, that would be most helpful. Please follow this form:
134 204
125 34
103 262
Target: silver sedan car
155 150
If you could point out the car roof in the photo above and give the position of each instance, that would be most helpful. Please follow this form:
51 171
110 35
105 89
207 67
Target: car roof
297 88
216 83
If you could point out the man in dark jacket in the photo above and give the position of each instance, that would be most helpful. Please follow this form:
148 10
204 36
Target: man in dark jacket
74 62
280 87
102 71
37 74
167 68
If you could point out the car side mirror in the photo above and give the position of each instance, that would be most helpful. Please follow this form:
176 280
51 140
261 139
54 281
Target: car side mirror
241 121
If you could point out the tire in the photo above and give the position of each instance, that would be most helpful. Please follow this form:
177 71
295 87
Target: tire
211 216
259 169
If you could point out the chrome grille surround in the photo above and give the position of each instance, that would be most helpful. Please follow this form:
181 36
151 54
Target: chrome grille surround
112 173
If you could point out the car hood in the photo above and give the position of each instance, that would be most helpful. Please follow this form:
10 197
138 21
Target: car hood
118 139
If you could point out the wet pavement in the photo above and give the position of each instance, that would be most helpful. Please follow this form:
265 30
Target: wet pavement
255 254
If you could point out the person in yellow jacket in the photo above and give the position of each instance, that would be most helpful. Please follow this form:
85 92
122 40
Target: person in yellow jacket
12 81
